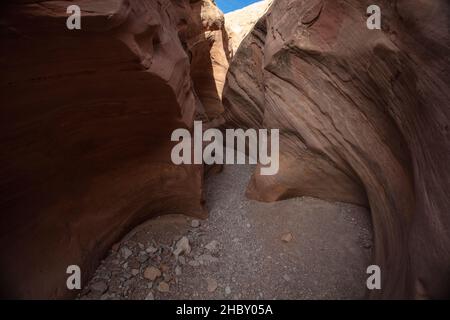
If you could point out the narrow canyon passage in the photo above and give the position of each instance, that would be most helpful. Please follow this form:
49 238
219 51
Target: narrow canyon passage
97 103
312 249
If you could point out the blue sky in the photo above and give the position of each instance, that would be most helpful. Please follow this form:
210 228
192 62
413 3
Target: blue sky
231 5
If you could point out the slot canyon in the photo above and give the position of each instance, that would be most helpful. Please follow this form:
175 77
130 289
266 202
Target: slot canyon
364 150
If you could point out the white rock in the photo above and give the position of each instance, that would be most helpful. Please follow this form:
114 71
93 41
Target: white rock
227 290
193 263
142 258
150 296
134 272
125 252
207 259
182 247
195 223
151 249
213 246
178 270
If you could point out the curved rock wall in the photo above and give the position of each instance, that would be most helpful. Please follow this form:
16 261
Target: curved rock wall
208 45
86 122
363 118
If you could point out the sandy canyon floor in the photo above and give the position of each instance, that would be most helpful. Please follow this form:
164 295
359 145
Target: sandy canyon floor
301 248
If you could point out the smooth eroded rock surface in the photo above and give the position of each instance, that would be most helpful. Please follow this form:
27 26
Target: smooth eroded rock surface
86 122
363 118
240 22
209 54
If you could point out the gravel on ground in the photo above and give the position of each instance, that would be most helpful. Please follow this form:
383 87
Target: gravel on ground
301 248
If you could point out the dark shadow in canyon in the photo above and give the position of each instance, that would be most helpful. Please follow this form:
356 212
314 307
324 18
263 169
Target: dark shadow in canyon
87 117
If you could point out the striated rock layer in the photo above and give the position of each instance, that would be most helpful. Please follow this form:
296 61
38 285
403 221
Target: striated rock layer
86 121
363 117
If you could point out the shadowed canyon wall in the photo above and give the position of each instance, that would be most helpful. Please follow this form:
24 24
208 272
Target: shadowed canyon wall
87 115
363 118
86 120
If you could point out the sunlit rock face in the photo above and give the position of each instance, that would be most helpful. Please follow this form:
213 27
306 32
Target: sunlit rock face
86 122
209 50
240 22
363 117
